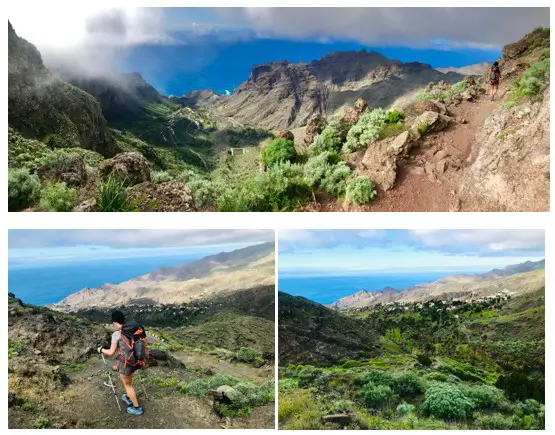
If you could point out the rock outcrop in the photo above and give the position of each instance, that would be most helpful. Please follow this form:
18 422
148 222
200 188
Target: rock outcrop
169 196
510 158
42 104
130 168
314 127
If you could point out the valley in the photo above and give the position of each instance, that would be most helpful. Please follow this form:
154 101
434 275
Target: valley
351 131
464 352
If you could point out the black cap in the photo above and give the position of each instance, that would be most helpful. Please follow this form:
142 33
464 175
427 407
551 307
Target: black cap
117 316
495 63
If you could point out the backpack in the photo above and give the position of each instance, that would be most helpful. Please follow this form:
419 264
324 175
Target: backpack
494 73
132 347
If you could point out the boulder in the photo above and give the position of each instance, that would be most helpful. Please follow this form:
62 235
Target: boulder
339 419
350 116
130 168
169 196
380 161
419 107
433 120
314 127
510 51
285 134
86 206
361 106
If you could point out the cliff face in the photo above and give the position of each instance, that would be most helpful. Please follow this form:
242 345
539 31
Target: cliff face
280 95
41 104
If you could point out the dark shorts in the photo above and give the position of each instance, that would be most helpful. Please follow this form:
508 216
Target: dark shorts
494 82
127 370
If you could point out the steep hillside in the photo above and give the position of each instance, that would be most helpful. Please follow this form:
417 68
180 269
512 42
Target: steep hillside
468 70
310 333
514 279
43 106
55 376
280 95
209 277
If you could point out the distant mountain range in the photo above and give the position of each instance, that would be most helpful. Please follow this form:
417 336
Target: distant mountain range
209 277
477 69
514 279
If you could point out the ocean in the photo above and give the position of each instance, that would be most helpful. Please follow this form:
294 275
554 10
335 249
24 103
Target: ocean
328 289
48 284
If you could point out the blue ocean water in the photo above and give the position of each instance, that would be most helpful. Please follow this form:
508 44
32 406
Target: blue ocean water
327 289
48 284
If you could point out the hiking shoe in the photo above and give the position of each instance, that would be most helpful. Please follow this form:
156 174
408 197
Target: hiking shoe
135 411
126 399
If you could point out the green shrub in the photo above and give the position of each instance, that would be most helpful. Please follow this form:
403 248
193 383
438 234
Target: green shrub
425 360
158 177
287 384
58 162
163 382
341 406
335 179
530 85
408 384
436 376
205 192
245 397
14 346
23 189
308 375
57 197
113 196
366 130
423 128
199 387
75 367
485 396
375 377
493 422
405 409
520 386
317 166
377 396
248 355
278 151
392 130
448 401
22 152
360 190
395 116
330 139
41 423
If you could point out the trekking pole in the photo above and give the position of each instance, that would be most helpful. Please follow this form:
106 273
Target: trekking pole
111 384
142 385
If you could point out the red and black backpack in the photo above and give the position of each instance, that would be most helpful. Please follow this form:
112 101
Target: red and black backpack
133 348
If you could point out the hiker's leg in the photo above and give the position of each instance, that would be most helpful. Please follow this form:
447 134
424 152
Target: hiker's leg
129 390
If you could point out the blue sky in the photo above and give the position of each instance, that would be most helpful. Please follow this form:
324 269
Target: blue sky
351 252
181 49
38 248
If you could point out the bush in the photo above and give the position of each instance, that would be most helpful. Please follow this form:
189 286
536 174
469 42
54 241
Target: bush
57 162
308 375
425 360
205 192
485 396
41 423
377 378
158 177
360 191
199 387
248 355
422 128
335 179
405 409
366 130
330 139
58 197
448 401
113 196
408 384
493 422
278 151
520 386
317 166
377 396
23 189
341 406
22 152
531 84
287 384
395 116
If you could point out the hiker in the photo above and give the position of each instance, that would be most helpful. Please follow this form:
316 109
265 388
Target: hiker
124 368
494 77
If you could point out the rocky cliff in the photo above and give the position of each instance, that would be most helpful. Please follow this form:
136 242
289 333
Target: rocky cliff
40 103
280 95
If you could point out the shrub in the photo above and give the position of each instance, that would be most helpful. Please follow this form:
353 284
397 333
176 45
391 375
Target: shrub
205 192
531 84
422 128
485 396
58 197
22 152
408 384
378 378
405 409
23 189
366 130
41 423
163 382
391 130
75 367
301 408
278 151
248 355
395 116
493 422
330 139
335 179
520 386
287 384
308 375
377 396
199 387
316 167
448 401
436 376
113 196
158 177
57 162
341 405
360 190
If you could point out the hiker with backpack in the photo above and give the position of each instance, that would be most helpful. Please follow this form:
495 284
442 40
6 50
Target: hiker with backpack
129 341
494 77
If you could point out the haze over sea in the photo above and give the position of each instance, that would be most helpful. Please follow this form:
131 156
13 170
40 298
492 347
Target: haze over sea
327 289
47 284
